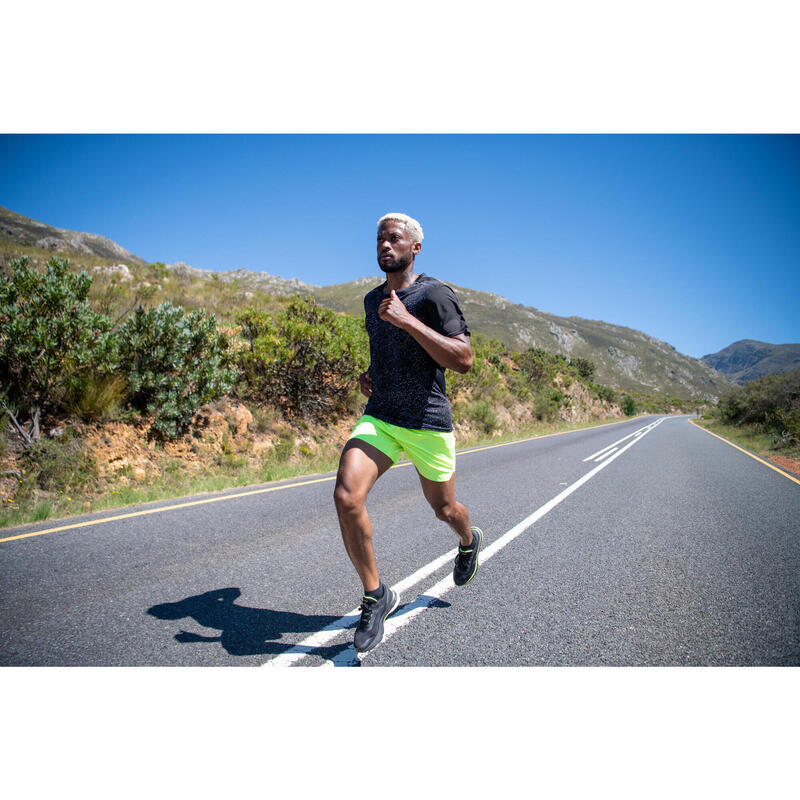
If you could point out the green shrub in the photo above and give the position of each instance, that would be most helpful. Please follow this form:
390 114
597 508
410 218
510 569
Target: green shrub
584 367
174 362
628 406
537 366
483 415
305 361
284 447
771 402
546 404
60 464
50 338
606 393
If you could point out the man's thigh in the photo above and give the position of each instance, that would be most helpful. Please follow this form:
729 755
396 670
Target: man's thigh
360 466
438 493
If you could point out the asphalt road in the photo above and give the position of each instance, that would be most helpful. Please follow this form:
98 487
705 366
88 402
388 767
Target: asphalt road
669 548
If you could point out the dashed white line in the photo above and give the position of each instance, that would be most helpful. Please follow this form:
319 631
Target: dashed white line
640 432
606 455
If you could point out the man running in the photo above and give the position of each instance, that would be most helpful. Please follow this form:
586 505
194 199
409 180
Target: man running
416 330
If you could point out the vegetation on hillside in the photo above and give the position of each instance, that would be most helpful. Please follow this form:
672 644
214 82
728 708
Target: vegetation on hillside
768 406
88 359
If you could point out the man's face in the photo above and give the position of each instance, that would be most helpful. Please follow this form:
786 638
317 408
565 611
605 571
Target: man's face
396 250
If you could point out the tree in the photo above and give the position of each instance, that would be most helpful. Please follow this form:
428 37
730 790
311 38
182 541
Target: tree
49 338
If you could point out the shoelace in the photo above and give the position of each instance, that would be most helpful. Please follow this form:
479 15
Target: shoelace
366 613
462 559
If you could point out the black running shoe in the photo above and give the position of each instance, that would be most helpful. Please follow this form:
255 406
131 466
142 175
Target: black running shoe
373 613
467 559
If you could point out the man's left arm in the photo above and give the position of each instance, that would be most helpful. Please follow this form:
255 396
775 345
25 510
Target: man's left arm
451 352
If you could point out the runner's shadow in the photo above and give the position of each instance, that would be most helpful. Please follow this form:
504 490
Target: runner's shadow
243 631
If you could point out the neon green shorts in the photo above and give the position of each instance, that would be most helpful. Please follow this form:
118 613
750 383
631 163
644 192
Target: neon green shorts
433 453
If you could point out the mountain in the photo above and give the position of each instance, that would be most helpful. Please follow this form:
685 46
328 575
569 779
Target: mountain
748 359
625 358
32 233
245 279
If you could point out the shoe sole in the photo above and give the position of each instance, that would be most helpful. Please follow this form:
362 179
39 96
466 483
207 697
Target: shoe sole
394 604
479 536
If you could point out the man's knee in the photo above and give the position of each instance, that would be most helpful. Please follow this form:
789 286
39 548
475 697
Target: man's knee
347 502
445 510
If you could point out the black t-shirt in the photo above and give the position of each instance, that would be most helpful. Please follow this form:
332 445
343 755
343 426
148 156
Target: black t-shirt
408 387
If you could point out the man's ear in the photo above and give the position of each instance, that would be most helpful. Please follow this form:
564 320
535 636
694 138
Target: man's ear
416 247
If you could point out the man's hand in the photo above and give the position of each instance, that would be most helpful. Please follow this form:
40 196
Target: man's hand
392 310
366 384
451 352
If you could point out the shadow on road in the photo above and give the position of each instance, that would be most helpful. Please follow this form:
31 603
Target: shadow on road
243 631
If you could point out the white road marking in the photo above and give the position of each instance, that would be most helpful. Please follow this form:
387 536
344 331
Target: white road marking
331 631
640 432
606 455
408 611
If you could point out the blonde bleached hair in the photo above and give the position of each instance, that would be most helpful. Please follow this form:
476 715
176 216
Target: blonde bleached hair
412 226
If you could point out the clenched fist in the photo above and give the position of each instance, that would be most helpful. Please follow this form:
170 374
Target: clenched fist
392 310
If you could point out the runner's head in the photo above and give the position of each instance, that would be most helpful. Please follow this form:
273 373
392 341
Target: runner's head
411 225
399 241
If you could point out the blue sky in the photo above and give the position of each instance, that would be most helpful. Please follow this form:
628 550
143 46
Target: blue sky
693 239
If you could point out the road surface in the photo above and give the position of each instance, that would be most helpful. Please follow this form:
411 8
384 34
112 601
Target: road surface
648 542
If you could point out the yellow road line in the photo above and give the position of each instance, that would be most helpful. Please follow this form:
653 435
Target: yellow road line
117 517
747 452
166 508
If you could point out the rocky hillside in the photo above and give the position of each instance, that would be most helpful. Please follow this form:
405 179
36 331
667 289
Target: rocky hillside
625 358
748 359
15 228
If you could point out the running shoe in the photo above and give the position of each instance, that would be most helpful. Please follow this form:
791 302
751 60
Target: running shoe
467 559
373 613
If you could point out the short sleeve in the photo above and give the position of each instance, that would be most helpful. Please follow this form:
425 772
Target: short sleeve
444 311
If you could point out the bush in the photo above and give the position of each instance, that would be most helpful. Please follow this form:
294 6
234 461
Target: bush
305 361
546 404
606 393
537 365
174 362
771 402
483 415
50 338
628 406
584 367
58 465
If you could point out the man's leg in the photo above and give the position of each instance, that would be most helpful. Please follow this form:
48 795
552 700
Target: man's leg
442 497
360 466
